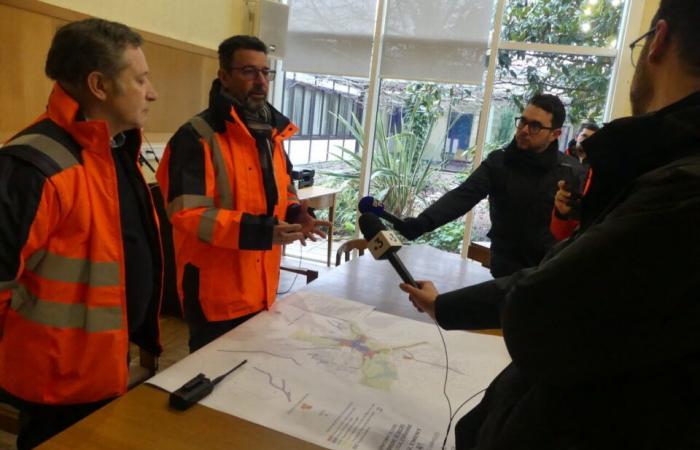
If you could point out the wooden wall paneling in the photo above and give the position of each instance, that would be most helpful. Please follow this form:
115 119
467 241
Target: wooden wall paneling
24 41
181 72
182 80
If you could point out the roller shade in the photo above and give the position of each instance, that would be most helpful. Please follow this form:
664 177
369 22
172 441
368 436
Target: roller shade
331 37
437 40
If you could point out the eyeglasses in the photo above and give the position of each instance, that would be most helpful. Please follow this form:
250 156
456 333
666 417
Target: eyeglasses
250 73
635 48
532 125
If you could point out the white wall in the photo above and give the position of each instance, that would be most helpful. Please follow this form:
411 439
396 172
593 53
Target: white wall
201 22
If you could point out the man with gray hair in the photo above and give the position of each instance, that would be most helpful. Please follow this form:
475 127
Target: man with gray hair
80 263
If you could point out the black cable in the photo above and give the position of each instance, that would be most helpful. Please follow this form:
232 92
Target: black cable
301 251
145 162
444 388
150 149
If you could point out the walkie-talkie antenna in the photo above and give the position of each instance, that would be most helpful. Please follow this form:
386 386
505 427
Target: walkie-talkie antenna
219 378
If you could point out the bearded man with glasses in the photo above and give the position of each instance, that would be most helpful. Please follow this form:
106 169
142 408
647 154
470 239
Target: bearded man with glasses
520 182
226 181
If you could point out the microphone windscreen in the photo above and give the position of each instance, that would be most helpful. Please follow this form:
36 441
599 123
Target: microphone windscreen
370 205
370 225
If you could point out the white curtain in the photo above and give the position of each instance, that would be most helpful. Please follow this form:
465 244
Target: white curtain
438 40
331 37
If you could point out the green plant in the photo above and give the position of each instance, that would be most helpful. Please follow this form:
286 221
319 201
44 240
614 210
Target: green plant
448 237
399 172
582 79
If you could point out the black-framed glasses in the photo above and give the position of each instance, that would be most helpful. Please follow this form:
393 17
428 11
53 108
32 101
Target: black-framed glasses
532 125
635 48
250 73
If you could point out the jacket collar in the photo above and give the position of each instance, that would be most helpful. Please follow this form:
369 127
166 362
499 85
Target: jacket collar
91 135
224 109
542 161
629 147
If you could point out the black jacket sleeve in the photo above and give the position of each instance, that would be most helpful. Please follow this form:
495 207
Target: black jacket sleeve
21 187
475 307
460 200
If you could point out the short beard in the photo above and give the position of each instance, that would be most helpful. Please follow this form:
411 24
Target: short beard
254 106
642 90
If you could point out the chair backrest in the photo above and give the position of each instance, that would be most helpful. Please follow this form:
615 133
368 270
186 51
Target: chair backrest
143 369
480 253
356 244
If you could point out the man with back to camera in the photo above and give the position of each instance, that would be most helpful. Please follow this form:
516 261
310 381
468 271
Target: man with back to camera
613 362
80 258
520 181
225 179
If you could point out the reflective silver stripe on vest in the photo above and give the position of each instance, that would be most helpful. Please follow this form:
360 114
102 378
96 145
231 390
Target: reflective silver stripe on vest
51 148
206 225
7 285
62 315
222 182
189 201
73 270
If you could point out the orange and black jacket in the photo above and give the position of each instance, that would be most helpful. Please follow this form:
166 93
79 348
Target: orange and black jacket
80 259
226 188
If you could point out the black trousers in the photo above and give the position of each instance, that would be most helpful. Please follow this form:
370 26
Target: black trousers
38 422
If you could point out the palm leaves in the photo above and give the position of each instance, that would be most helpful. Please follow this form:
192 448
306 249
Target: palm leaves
399 172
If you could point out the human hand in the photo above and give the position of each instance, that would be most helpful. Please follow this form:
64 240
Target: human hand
310 226
410 228
423 297
285 233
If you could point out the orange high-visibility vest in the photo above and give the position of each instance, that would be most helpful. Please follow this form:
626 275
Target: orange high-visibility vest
233 281
64 327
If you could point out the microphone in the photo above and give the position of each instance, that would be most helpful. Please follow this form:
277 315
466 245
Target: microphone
371 205
383 244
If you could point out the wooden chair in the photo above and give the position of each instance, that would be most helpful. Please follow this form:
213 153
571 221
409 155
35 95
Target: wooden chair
146 367
356 244
479 252
9 418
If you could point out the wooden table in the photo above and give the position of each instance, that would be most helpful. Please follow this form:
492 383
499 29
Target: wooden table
373 282
141 419
320 197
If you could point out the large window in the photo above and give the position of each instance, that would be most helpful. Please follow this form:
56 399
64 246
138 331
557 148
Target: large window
320 105
441 102
562 47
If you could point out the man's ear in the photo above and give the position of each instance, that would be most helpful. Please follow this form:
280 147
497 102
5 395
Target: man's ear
98 85
660 42
224 77
556 133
